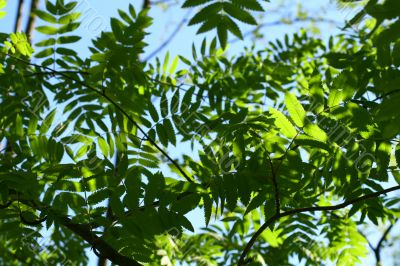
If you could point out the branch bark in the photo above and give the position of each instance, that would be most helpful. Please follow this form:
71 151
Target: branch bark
146 4
103 249
276 217
32 18
18 19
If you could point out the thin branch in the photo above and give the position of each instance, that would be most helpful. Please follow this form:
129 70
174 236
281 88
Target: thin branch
18 19
51 73
97 243
31 21
383 238
386 94
369 242
146 4
102 248
109 215
171 37
283 23
31 223
116 105
276 188
308 209
5 206
377 249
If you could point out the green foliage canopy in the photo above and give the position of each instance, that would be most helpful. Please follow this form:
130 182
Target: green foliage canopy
297 143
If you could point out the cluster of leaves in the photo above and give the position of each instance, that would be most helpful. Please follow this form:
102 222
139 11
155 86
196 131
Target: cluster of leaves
223 16
277 132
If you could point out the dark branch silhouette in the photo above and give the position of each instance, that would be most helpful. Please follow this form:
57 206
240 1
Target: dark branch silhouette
276 217
378 248
171 37
109 215
103 249
117 106
18 19
31 21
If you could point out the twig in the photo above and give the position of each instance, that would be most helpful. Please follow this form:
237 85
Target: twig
377 249
146 4
308 209
276 188
102 247
282 23
109 215
169 39
31 223
111 101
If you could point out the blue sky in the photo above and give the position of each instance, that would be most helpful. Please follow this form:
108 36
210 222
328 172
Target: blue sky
96 15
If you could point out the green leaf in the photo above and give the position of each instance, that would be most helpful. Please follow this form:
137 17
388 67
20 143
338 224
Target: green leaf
255 202
295 109
98 196
232 26
48 30
46 16
283 123
207 208
117 29
45 53
164 105
335 98
187 100
47 122
383 153
170 131
68 18
248 4
165 64
68 39
316 132
174 65
205 13
46 42
32 126
175 102
397 154
19 130
193 3
103 146
153 111
4 193
238 13
162 134
222 32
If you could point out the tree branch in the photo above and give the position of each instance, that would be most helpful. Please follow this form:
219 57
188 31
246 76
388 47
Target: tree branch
116 105
109 214
283 23
97 243
171 37
18 19
377 249
31 21
276 188
146 4
308 209
102 248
